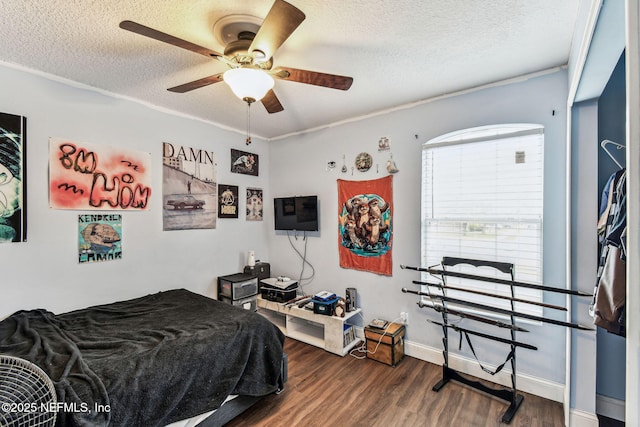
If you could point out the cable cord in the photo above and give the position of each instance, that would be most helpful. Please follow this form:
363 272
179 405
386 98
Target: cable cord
303 257
363 348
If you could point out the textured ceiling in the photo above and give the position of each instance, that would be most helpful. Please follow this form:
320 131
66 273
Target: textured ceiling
397 51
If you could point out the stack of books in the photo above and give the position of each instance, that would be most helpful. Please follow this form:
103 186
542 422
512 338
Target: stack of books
349 334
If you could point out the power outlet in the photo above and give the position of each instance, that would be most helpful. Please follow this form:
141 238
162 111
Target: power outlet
404 317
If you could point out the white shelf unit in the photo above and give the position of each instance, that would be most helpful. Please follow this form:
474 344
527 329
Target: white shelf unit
304 325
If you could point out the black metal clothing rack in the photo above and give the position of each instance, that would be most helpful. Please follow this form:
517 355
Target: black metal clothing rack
510 395
441 305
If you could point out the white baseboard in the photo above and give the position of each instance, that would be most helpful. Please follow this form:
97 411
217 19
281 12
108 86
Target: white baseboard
579 418
533 385
610 407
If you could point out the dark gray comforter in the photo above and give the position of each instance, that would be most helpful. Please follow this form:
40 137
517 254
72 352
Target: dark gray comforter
148 361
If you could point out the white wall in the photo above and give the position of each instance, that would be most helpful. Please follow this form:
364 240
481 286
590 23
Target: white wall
44 271
298 167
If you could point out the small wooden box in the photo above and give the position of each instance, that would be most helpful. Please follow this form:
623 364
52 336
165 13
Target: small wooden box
391 347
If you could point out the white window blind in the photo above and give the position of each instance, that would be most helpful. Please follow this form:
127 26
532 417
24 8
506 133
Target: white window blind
482 198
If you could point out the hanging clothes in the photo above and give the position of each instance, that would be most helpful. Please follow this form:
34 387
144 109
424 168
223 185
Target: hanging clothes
608 204
609 297
619 220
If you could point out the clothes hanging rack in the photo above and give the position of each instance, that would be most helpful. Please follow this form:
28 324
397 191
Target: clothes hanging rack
618 146
440 308
491 337
440 302
488 294
504 311
442 272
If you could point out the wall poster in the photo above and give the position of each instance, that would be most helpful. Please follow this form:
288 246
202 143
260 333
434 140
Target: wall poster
189 190
13 178
365 222
97 177
243 162
99 237
254 204
227 201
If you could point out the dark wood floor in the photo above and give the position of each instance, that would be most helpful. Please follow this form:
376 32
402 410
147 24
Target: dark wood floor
324 390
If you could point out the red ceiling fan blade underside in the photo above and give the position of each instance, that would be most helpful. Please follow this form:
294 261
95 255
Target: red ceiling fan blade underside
332 81
272 103
143 30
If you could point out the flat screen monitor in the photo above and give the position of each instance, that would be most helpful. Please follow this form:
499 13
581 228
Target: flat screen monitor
296 213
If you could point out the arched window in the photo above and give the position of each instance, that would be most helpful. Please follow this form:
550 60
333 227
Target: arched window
482 198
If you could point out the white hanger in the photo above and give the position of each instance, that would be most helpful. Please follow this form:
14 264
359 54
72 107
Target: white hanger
604 144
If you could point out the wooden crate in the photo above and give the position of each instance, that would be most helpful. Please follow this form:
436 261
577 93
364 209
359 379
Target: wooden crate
391 348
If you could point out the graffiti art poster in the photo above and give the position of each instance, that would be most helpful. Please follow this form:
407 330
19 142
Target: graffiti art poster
245 163
99 237
91 176
254 204
227 201
365 225
13 178
189 189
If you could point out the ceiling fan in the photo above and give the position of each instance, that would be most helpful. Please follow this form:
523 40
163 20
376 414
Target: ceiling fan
250 58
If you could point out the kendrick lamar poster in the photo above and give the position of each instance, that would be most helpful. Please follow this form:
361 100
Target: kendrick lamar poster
365 225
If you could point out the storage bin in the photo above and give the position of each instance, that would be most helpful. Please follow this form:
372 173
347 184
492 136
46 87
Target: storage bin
250 303
237 286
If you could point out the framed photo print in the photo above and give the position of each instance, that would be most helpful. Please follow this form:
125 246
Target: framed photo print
243 162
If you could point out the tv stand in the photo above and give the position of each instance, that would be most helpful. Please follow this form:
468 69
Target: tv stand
304 325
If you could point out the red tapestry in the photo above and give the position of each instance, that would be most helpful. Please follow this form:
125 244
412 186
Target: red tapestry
365 224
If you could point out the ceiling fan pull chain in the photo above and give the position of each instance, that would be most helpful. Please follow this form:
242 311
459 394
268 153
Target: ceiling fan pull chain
248 140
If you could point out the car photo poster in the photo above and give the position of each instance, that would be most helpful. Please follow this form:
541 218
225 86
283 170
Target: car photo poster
189 189
99 237
365 225
91 176
13 187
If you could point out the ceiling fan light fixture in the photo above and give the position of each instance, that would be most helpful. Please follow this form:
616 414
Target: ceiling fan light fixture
248 84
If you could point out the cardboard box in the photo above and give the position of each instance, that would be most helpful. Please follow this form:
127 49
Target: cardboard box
390 349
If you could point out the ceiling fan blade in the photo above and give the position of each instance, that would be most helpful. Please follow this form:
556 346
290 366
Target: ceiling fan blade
314 78
272 103
216 78
163 37
281 21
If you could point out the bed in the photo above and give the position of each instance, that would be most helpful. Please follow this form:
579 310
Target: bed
150 361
